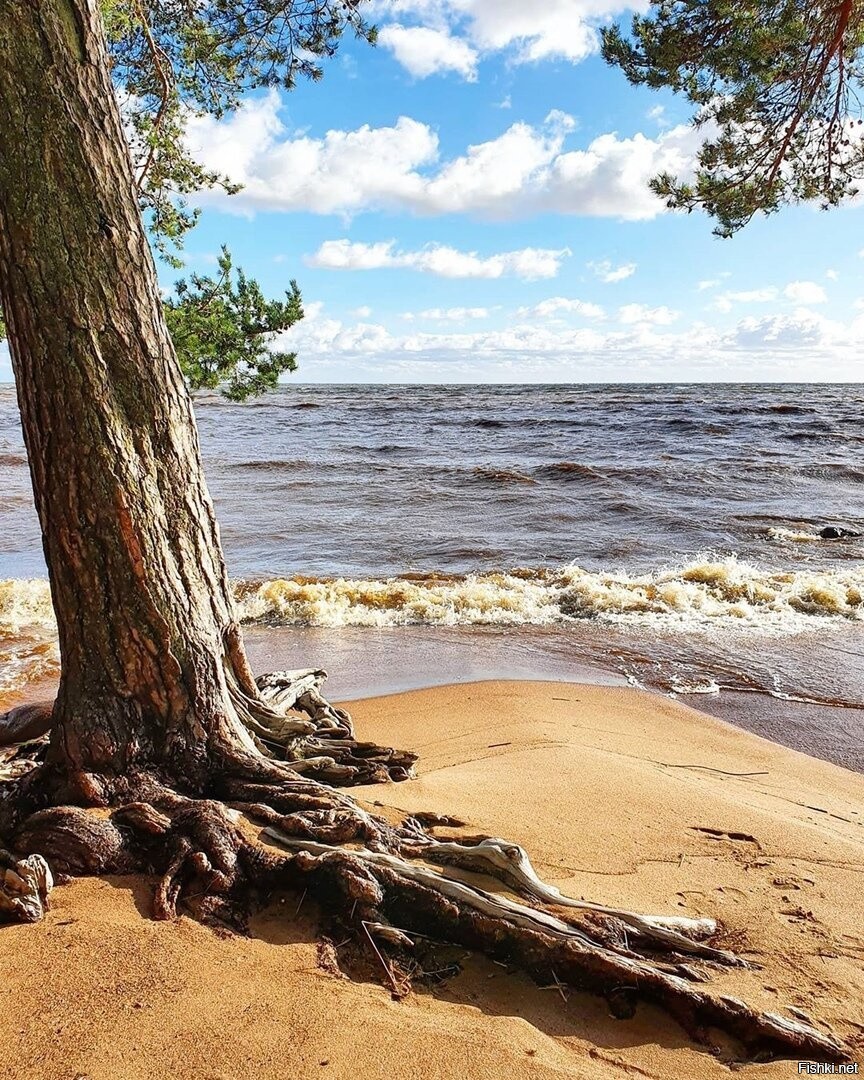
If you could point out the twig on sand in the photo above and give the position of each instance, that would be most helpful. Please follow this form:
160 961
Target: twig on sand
557 985
709 768
388 971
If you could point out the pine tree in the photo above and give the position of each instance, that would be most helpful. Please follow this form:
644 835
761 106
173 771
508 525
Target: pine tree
776 88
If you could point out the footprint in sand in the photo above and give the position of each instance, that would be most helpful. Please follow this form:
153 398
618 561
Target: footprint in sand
792 882
731 893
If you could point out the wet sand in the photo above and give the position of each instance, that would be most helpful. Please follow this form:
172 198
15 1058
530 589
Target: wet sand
368 660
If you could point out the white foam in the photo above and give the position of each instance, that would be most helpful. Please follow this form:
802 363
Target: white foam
28 648
796 536
705 592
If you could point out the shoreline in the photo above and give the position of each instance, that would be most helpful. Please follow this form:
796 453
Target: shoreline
368 662
362 663
619 796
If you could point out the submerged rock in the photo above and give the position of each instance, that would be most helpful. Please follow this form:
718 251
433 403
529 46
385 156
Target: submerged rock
835 532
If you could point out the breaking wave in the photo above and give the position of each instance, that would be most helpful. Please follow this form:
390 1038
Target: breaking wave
25 607
701 595
709 592
28 648
796 536
704 592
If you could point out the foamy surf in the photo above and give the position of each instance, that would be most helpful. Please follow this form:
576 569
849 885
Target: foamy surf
700 593
795 536
28 649
704 592
662 627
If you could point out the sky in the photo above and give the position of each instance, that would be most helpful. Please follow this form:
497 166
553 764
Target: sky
468 202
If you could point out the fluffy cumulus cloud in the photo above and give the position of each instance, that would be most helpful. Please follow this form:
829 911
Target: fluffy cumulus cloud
339 173
796 292
800 329
805 292
555 29
530 264
524 171
423 51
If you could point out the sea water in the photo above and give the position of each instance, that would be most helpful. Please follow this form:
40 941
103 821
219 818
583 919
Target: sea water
667 536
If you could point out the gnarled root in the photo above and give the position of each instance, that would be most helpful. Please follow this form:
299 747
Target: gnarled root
381 881
25 723
291 721
23 738
384 891
207 860
25 885
510 863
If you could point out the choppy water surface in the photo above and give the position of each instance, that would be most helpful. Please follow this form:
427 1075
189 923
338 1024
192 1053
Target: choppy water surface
669 534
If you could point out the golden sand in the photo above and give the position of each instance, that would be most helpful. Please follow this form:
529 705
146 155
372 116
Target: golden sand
619 796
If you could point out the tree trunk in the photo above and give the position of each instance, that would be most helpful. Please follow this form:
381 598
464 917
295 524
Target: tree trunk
130 538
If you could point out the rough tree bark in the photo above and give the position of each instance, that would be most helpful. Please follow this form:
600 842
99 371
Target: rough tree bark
153 671
158 716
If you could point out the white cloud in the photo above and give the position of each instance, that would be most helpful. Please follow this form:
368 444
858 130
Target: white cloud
529 264
802 328
525 170
610 176
640 313
556 304
491 175
795 347
564 29
712 283
454 314
832 275
799 292
805 292
610 274
424 51
727 300
341 172
362 312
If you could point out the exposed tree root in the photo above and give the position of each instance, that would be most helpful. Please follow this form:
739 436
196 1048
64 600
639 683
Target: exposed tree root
25 722
324 745
23 738
25 885
384 883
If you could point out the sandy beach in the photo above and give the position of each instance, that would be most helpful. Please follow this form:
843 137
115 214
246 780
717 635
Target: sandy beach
620 797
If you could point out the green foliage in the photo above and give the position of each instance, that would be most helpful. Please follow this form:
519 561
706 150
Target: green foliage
222 328
775 84
175 58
